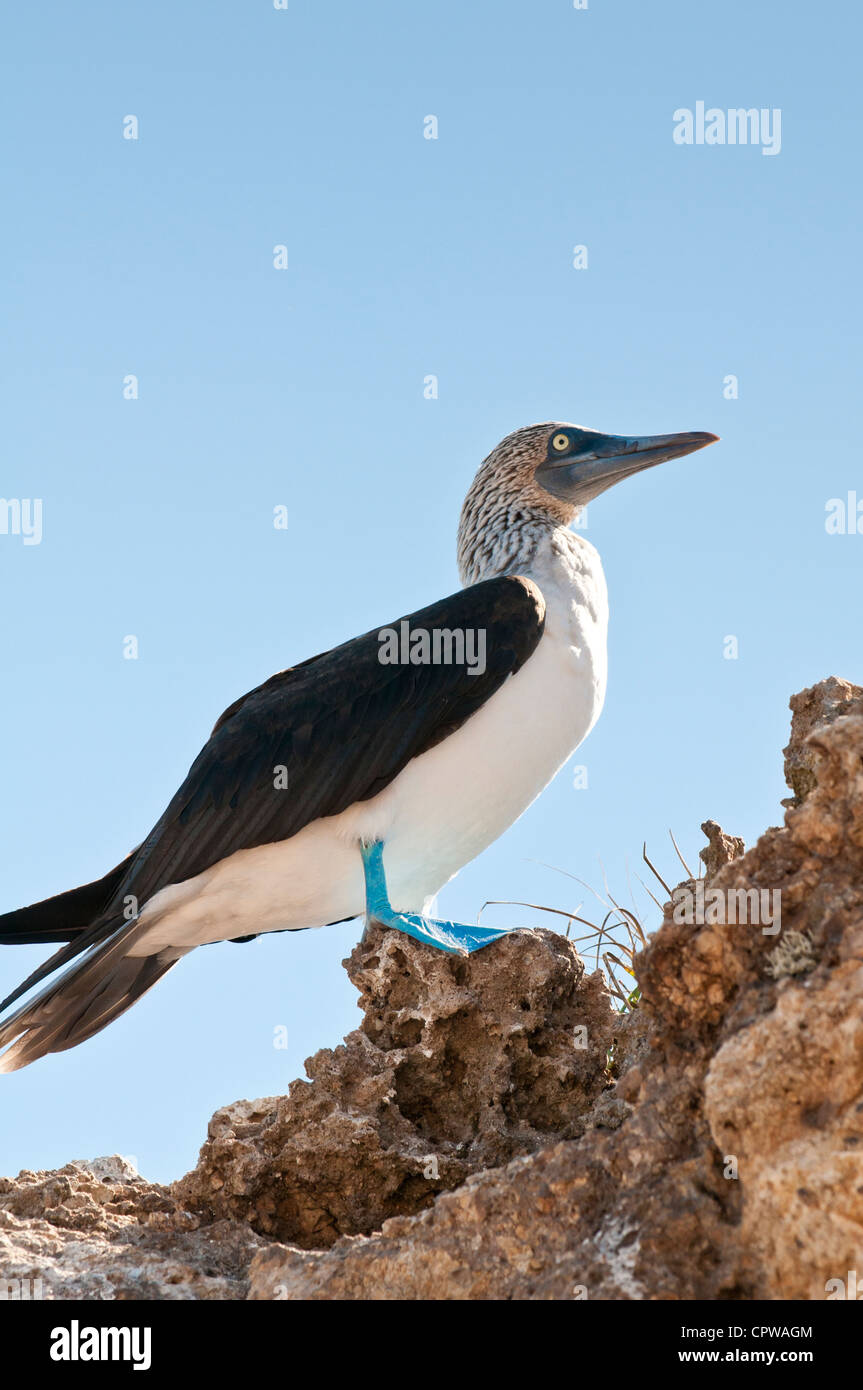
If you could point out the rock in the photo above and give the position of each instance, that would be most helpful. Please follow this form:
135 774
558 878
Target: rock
818 704
73 1234
113 1168
721 850
468 1141
736 1169
460 1064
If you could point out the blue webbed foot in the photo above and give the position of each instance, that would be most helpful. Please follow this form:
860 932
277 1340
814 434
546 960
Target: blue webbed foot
446 936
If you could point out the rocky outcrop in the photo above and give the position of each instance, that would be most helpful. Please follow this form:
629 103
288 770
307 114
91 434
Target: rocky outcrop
99 1230
812 708
497 1129
460 1065
727 1161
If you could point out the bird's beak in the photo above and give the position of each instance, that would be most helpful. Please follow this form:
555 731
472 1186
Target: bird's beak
606 458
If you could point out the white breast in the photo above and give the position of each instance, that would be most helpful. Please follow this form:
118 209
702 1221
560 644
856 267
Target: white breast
443 809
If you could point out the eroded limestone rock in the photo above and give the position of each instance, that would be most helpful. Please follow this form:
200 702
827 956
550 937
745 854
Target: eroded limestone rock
91 1230
464 1144
816 705
459 1065
737 1171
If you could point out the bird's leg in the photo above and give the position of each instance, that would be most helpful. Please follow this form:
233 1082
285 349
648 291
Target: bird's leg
446 936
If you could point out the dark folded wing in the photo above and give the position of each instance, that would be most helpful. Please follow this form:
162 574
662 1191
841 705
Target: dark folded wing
338 729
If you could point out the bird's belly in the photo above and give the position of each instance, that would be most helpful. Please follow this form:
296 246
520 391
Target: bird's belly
451 803
442 810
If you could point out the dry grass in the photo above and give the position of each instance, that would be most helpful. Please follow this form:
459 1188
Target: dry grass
621 927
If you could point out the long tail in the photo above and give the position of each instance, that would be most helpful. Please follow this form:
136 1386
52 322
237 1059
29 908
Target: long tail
83 1000
65 916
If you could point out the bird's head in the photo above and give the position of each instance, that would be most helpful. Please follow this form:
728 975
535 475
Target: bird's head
545 475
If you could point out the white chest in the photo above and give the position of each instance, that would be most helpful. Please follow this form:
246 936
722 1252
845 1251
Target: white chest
451 803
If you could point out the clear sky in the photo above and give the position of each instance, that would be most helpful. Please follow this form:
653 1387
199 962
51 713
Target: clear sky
303 387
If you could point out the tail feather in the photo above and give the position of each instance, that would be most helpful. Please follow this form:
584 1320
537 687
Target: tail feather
65 916
47 967
78 918
82 1001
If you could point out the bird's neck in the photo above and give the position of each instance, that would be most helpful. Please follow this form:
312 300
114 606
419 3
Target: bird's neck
509 541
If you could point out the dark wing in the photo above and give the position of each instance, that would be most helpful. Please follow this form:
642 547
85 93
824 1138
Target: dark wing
342 725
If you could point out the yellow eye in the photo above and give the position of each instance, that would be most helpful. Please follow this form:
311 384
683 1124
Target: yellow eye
560 442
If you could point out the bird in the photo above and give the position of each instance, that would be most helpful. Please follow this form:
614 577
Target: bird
358 782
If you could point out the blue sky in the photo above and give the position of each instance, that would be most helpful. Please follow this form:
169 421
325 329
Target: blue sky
304 387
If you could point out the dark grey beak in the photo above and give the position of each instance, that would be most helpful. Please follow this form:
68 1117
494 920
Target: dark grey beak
603 459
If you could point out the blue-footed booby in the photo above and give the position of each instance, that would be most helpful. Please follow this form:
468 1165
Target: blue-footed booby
363 779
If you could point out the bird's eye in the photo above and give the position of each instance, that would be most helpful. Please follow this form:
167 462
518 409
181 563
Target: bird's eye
559 442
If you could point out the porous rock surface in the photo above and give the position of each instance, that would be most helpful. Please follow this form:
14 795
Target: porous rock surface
460 1065
495 1129
97 1230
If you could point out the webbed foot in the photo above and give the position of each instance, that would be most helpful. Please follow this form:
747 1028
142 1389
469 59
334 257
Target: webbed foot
446 936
